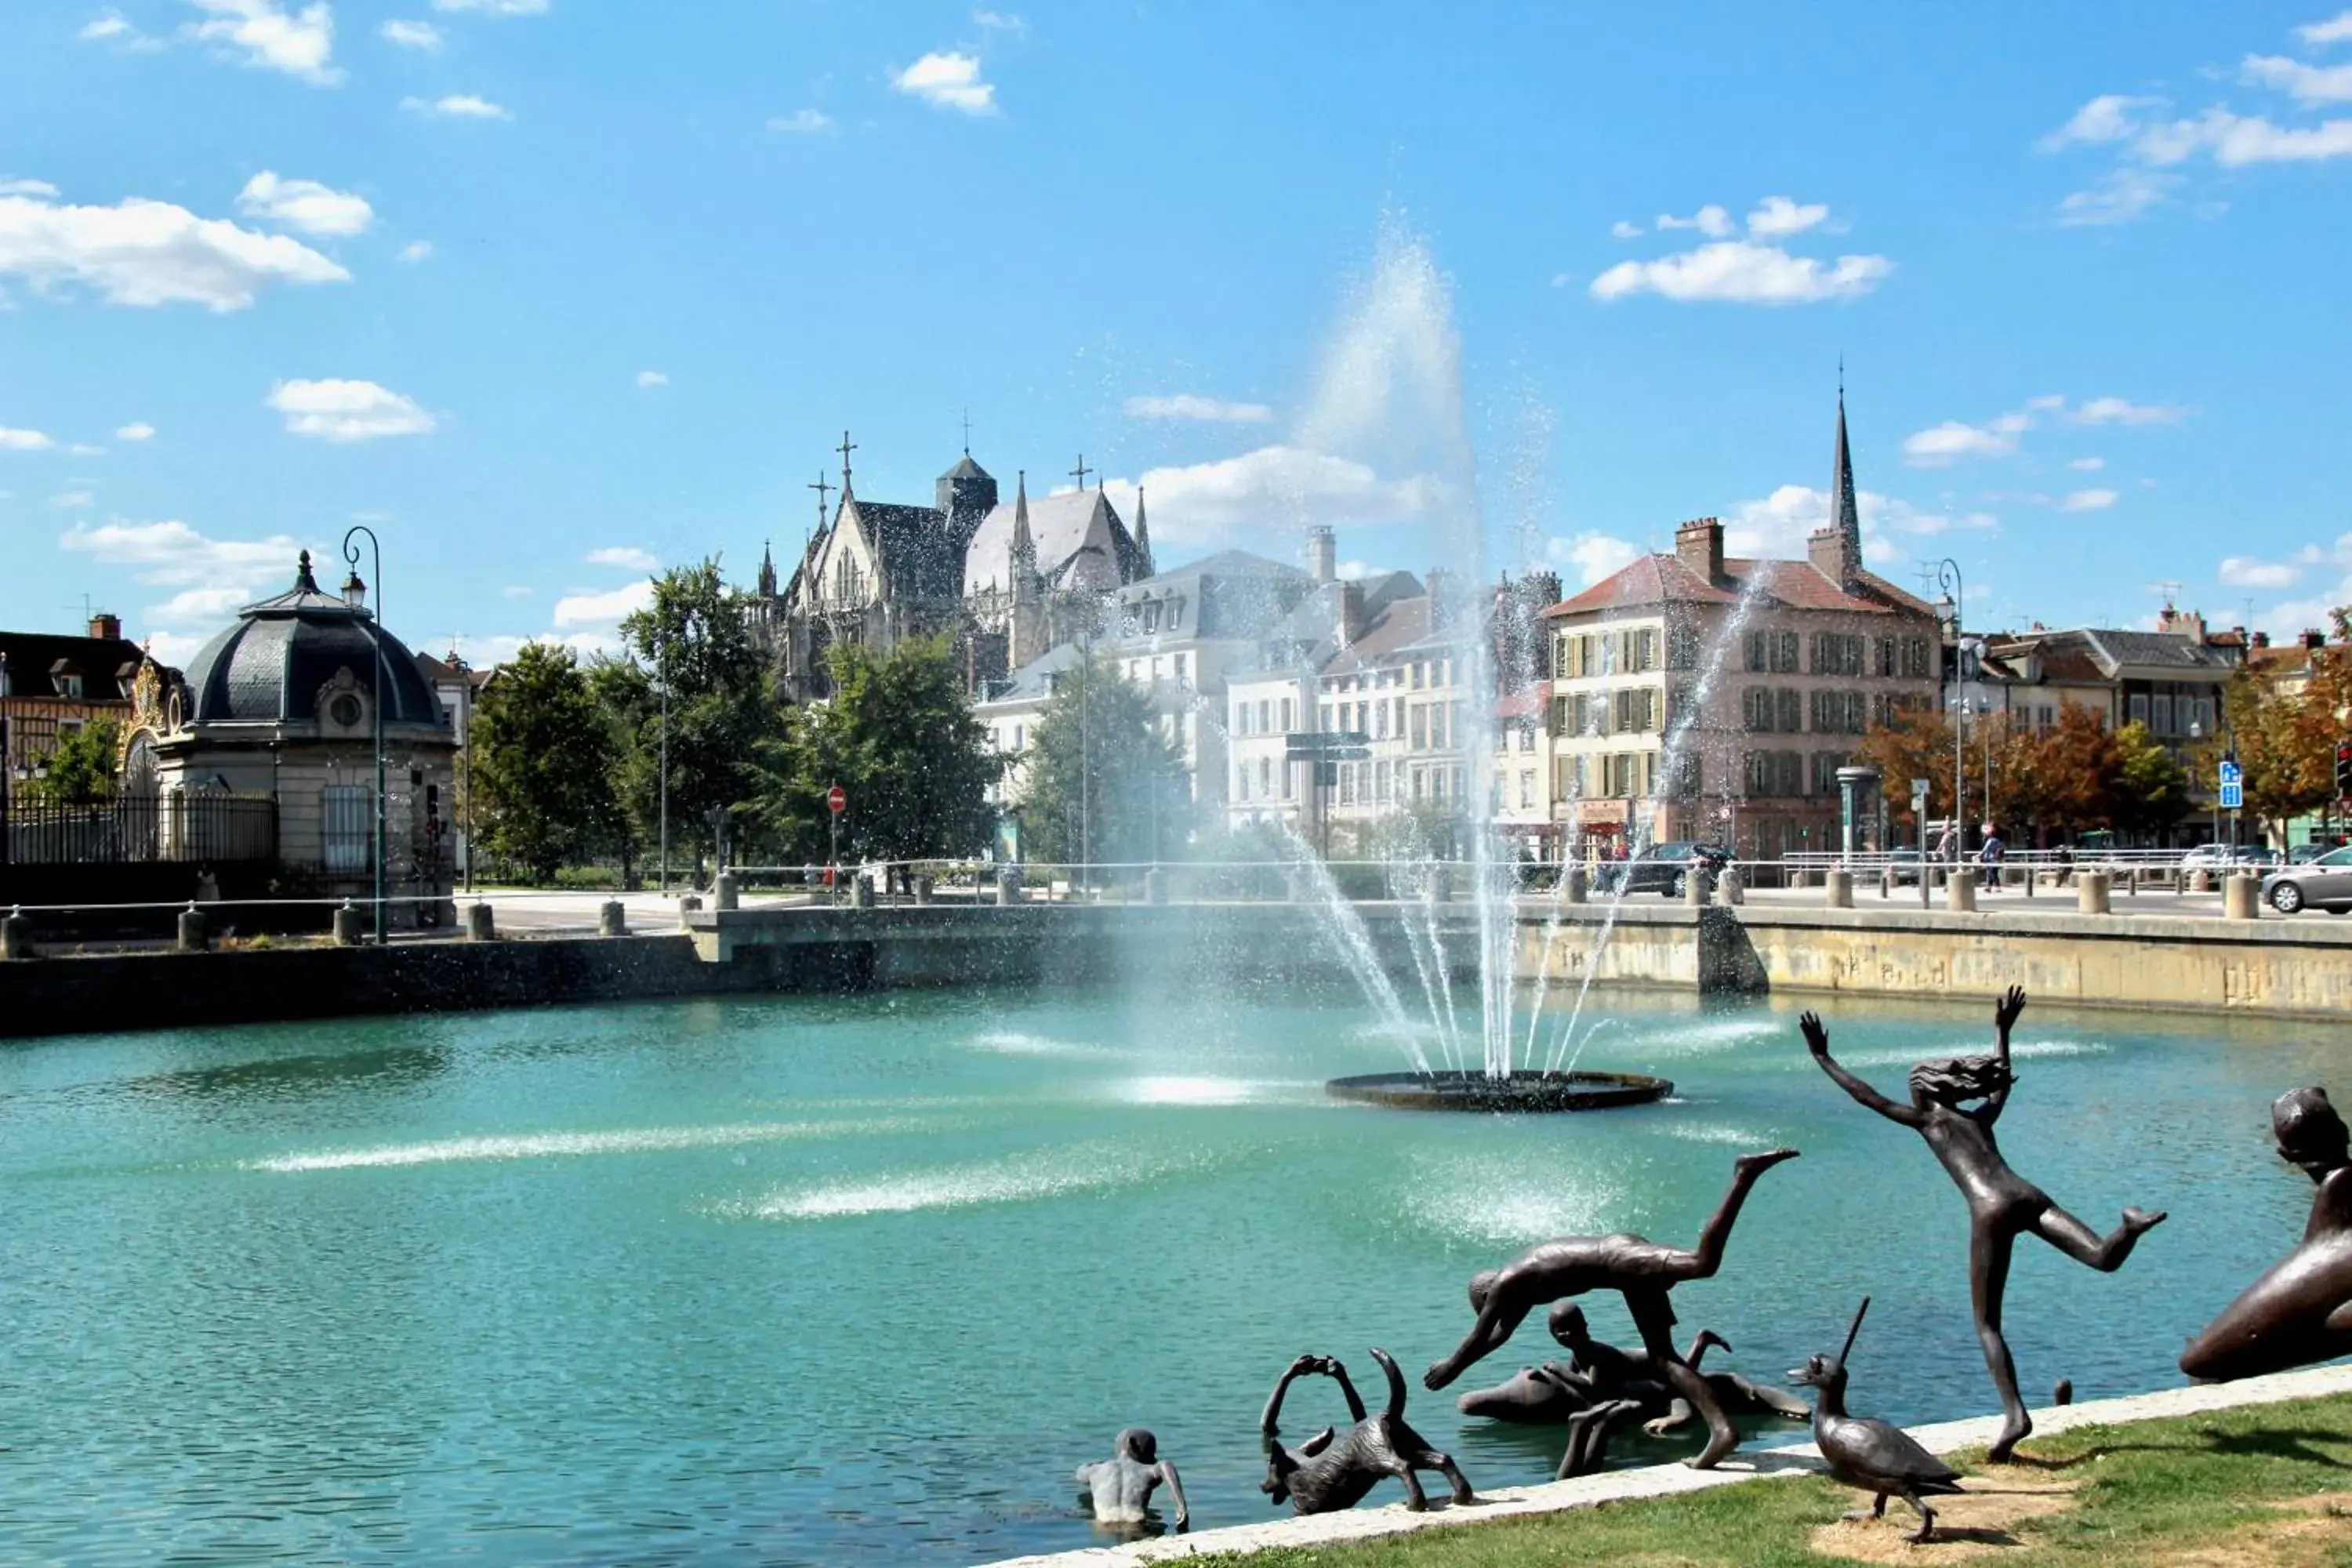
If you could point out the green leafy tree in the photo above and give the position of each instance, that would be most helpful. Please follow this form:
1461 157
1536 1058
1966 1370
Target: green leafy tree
2151 789
1103 782
543 764
81 770
899 738
624 695
2285 744
695 638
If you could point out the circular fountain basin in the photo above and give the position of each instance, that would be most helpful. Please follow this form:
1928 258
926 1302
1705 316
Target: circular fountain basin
1521 1091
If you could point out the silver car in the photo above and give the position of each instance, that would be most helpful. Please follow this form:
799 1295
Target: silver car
2325 883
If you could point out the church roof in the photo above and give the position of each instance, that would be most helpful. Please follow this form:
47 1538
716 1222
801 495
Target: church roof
1081 542
918 554
966 469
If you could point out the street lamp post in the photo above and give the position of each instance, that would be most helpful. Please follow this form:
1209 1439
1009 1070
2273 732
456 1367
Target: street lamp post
355 594
1947 579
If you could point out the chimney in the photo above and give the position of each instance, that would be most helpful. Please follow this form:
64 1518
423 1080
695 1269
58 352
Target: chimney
2261 639
1351 612
108 628
2314 640
1322 553
1699 544
1826 549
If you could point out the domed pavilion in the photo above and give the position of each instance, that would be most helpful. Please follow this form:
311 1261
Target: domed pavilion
281 707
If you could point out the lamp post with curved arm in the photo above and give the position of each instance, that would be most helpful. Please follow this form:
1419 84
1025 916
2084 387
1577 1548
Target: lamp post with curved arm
358 601
1948 583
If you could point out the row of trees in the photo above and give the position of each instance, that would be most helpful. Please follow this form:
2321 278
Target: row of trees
2074 777
568 756
2284 736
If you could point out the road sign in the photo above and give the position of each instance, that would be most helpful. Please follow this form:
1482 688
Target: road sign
2233 795
1919 788
837 800
2232 775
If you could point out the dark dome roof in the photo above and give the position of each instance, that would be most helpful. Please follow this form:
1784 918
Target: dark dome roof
966 469
271 665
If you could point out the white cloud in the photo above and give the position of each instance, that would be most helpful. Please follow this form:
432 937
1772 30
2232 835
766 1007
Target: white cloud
1779 524
1593 555
1186 406
267 36
1710 220
604 609
2110 117
494 7
2337 29
1241 500
305 204
2087 465
2119 195
2117 411
455 106
26 188
2088 501
626 555
2304 83
140 252
23 440
652 378
140 431
347 410
215 603
949 82
73 500
1939 444
210 577
1625 229
84 449
411 35
802 123
414 251
1740 272
2245 572
1779 217
999 22
107 24
2234 140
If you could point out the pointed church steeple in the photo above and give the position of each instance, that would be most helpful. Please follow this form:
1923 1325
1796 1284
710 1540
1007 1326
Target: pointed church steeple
1024 546
1143 567
1845 517
767 571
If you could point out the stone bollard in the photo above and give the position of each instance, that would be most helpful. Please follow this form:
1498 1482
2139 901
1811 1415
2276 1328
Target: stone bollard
1572 885
1730 888
347 926
1155 886
613 919
922 881
1837 888
2091 893
1960 890
687 904
2241 898
194 938
723 893
2201 883
861 893
1696 887
480 925
15 936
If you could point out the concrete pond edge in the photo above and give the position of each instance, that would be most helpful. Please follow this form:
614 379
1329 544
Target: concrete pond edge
1665 1480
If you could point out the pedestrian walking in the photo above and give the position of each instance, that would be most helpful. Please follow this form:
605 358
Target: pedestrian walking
1989 856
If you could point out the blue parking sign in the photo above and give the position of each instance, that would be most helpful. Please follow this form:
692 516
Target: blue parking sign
2233 795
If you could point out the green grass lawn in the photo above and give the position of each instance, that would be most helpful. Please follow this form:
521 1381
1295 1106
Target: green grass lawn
2233 1489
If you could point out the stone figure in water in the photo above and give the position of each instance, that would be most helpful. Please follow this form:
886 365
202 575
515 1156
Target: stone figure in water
2300 1311
1330 1472
1954 1103
1875 1456
1119 1488
1643 1271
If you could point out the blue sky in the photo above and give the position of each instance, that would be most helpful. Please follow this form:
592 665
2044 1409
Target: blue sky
549 290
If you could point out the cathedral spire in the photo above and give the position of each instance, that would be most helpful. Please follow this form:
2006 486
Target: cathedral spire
767 571
1143 567
1025 547
1845 517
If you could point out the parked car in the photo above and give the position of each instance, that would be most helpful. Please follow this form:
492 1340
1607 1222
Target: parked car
2324 884
1903 868
2222 856
1664 868
2304 853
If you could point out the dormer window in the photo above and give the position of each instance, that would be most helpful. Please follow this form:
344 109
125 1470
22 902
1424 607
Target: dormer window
67 680
1151 617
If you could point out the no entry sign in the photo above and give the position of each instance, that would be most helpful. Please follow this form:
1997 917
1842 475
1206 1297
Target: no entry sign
837 798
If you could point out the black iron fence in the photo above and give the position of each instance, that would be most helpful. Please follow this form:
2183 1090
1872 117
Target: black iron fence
139 829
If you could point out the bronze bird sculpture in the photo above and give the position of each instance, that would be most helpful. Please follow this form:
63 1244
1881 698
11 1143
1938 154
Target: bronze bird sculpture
1877 1457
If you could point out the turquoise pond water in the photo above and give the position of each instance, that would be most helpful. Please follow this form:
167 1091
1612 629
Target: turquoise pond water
816 1281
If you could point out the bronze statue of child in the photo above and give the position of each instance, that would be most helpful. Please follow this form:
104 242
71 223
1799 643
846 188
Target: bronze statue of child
1120 1487
2301 1310
1954 1103
1641 1271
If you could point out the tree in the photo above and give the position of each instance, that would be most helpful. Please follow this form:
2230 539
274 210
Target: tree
2151 793
1916 745
1103 784
624 697
695 638
81 770
899 738
543 764
2285 745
